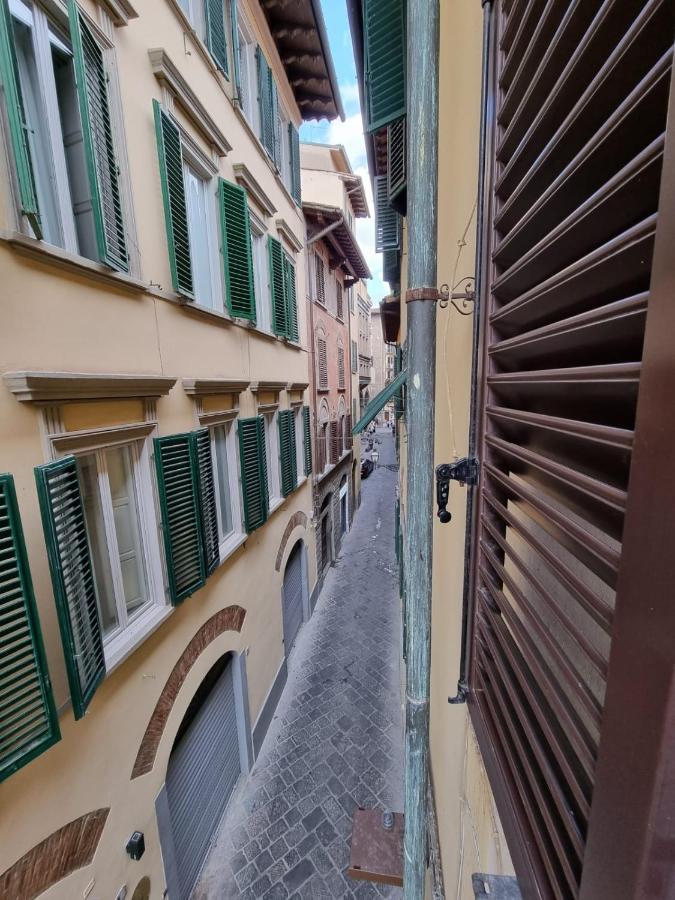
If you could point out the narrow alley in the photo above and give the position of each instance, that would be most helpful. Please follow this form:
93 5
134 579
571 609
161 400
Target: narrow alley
337 737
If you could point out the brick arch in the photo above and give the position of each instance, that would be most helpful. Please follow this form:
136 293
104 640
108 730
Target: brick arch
67 849
229 619
298 518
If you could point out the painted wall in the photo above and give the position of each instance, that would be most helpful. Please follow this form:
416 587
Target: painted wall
56 318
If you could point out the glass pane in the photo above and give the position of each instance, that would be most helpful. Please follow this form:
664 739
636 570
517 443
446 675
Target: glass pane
93 512
127 529
199 220
224 500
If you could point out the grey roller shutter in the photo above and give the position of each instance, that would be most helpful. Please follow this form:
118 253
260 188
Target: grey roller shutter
203 769
292 600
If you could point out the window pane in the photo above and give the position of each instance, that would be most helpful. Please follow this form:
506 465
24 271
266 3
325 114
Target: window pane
224 499
127 530
91 497
262 287
199 220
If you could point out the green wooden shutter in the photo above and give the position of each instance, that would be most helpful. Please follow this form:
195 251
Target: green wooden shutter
276 121
102 168
253 464
306 428
175 206
28 720
201 441
234 21
308 439
296 180
385 61
287 452
237 251
179 497
216 38
65 529
18 128
266 104
387 222
396 158
291 300
278 286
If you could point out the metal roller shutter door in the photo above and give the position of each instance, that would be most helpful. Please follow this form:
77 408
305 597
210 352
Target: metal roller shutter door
293 597
202 772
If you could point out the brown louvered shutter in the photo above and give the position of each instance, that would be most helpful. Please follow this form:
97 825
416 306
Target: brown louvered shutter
320 281
341 368
334 441
322 364
349 440
580 99
321 438
339 303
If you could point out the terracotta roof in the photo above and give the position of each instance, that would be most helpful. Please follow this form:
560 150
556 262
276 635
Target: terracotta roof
340 239
299 32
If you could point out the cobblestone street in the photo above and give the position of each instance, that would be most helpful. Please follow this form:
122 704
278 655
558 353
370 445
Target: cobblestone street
337 738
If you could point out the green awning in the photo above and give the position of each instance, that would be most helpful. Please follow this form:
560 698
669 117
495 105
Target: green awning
378 403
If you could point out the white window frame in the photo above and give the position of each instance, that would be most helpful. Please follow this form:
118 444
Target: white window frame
273 461
284 143
230 541
261 274
195 160
248 73
128 636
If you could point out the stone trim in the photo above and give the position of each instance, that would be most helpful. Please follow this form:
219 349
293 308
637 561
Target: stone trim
297 385
251 185
276 386
298 518
229 619
285 231
197 387
65 850
57 387
168 75
120 11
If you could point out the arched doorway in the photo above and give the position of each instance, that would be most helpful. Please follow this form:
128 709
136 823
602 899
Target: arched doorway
294 595
326 526
204 766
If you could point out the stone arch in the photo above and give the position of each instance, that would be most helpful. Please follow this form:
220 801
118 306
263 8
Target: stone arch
229 619
297 519
67 849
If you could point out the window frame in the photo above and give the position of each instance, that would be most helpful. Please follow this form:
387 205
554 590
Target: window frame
272 451
118 645
261 279
230 541
248 76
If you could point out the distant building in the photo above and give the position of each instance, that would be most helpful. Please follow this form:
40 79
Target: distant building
383 355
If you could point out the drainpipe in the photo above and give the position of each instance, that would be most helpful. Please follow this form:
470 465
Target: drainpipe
422 107
481 282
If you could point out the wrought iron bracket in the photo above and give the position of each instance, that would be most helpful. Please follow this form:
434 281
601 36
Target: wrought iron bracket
464 470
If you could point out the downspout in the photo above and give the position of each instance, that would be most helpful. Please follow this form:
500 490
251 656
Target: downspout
481 283
422 106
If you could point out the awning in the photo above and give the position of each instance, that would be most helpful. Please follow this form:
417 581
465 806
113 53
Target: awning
378 403
329 225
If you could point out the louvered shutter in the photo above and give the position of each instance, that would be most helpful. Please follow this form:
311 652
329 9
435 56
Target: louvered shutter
387 220
341 368
278 286
276 121
349 439
216 37
296 178
396 158
102 168
18 128
179 498
266 104
385 61
65 530
287 452
320 282
291 300
253 463
355 358
28 720
334 441
207 498
237 251
391 267
580 115
306 428
234 21
322 364
175 206
338 301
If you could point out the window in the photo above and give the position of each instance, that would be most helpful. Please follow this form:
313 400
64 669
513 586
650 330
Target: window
322 364
248 79
319 283
355 357
210 20
299 425
272 455
253 468
225 470
261 278
306 425
199 197
341 368
338 300
283 293
63 138
284 149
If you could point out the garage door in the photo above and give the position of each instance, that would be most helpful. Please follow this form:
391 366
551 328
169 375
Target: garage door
202 772
293 606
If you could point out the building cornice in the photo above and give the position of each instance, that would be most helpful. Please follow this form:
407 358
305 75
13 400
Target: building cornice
198 387
167 73
258 386
56 387
297 385
247 180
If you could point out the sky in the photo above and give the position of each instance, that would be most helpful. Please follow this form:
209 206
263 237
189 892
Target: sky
350 132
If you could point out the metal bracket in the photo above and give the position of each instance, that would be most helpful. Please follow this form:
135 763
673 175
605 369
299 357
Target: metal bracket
464 470
444 295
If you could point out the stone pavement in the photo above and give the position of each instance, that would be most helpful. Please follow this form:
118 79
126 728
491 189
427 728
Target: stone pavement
337 737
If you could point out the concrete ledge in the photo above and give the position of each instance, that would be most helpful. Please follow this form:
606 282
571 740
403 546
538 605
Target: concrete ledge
269 706
315 594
